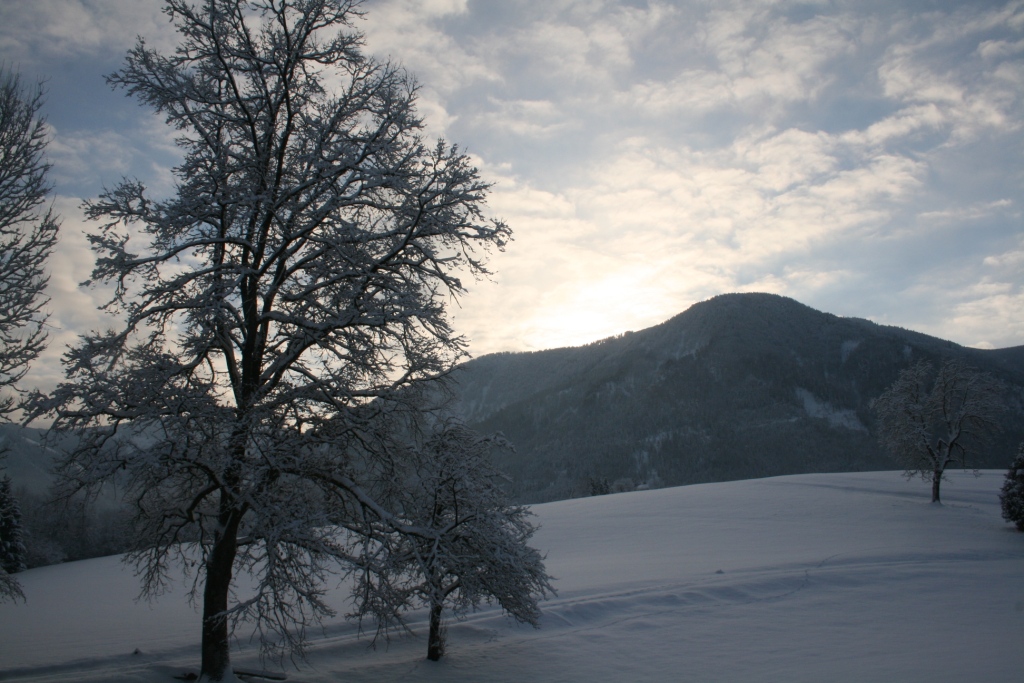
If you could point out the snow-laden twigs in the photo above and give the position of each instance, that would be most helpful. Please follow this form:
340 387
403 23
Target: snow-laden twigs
476 548
933 420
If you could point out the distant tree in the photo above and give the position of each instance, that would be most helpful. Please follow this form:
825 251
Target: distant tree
12 547
27 233
76 529
599 486
1011 497
479 547
294 286
930 421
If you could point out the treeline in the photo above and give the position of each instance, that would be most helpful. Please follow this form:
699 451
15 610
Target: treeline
65 531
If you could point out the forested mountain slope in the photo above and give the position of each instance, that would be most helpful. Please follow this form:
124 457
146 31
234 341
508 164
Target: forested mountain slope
736 387
739 386
26 458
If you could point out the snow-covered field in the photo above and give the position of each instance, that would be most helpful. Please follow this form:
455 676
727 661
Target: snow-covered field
835 577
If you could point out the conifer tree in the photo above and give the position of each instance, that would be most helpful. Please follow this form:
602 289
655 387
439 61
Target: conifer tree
12 546
1012 494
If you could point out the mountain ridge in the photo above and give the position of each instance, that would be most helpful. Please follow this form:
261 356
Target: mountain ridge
737 386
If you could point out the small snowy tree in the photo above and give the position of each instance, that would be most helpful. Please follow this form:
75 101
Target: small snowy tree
12 547
930 421
1011 497
291 291
479 550
27 234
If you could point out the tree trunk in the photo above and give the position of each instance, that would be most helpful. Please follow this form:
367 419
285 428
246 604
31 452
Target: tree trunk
936 481
435 642
216 664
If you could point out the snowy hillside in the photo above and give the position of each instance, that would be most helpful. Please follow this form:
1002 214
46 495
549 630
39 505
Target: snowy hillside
838 577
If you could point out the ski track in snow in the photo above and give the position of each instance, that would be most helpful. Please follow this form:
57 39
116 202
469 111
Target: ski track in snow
847 577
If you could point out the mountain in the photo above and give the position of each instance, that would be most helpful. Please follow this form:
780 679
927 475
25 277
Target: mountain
25 458
738 386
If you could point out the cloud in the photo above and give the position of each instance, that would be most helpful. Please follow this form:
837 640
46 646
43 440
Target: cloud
539 119
983 303
85 160
979 89
772 60
1008 262
999 49
73 310
62 29
861 157
906 123
77 154
409 31
972 212
649 229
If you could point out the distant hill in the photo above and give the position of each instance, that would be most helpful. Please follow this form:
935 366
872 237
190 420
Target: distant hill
25 458
739 386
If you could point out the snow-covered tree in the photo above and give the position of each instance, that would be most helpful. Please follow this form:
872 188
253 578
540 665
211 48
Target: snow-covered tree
273 309
1011 496
10 589
27 232
933 420
12 546
479 551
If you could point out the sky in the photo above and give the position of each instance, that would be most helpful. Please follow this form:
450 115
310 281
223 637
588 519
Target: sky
861 156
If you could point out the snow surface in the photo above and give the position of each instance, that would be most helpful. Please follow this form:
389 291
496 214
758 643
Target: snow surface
835 577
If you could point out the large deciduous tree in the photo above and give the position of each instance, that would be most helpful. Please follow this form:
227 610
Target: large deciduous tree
275 310
28 233
932 420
